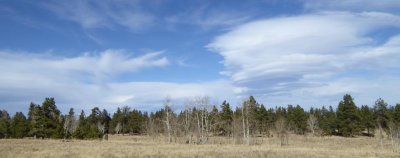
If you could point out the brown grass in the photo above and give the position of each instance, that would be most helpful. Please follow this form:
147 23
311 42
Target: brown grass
144 146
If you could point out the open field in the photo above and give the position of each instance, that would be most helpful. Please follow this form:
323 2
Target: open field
143 146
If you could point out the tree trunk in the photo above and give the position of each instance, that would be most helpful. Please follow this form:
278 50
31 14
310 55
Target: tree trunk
202 127
168 126
198 127
248 131
207 125
244 125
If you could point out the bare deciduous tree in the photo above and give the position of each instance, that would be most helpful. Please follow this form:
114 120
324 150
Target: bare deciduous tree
247 121
202 117
102 129
280 126
67 126
70 125
167 105
187 122
150 127
312 123
118 128
245 127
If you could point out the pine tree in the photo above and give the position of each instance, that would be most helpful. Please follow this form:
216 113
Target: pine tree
94 125
396 115
51 119
381 113
136 122
124 119
81 130
116 122
19 126
271 117
105 119
347 117
280 112
367 119
4 124
297 119
214 121
262 119
328 122
226 118
36 121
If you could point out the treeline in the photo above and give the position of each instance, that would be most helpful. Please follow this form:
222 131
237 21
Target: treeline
200 120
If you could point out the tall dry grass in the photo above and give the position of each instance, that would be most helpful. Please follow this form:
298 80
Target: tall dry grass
144 146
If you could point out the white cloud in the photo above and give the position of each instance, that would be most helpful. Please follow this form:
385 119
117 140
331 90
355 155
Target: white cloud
100 14
207 18
365 90
87 80
90 66
153 93
355 5
279 56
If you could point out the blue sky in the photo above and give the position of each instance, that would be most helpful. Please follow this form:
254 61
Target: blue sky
113 53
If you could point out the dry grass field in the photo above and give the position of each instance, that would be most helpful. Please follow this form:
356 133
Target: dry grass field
144 146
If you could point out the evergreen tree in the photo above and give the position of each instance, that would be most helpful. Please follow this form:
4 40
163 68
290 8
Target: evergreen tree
46 121
105 119
94 126
297 119
262 119
280 112
81 130
116 121
271 117
51 119
214 121
396 115
381 113
136 122
19 126
327 121
347 117
31 117
124 119
36 121
367 119
4 124
226 118
252 107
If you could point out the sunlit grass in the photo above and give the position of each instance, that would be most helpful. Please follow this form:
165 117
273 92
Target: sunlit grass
144 146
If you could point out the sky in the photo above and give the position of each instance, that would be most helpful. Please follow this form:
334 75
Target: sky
112 53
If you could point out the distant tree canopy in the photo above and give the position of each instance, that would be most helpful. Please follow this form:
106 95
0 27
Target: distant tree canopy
201 119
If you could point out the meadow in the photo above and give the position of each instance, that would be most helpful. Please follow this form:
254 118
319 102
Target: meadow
145 146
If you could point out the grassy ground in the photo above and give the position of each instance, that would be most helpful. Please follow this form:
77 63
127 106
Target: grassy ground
143 146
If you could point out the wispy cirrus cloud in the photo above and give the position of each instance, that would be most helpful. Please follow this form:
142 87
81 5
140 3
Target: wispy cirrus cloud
92 65
88 80
102 14
286 55
353 5
207 18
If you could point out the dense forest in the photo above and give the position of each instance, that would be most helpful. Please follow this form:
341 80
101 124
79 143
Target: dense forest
200 120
